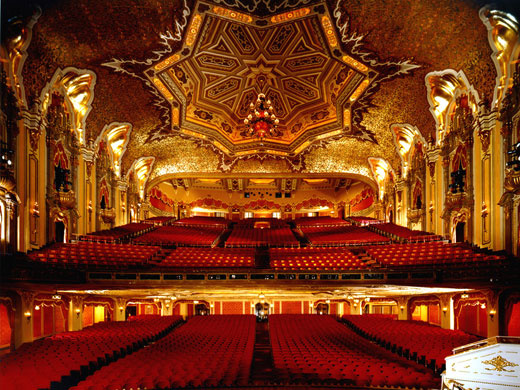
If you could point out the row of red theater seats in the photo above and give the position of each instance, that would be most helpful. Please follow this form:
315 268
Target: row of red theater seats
69 356
304 259
95 254
427 253
207 351
258 237
402 232
118 233
209 257
320 221
352 235
411 336
180 235
310 348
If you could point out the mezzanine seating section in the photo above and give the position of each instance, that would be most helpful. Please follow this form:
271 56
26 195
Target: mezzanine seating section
428 254
71 355
315 258
207 351
318 349
186 257
341 235
181 236
92 255
119 233
430 341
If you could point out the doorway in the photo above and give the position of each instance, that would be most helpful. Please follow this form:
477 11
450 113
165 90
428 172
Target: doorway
459 232
59 231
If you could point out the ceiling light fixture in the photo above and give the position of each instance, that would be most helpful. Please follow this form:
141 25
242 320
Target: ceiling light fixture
261 121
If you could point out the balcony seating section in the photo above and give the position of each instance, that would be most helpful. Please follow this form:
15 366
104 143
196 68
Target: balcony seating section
118 234
271 237
207 351
403 234
427 254
93 255
315 258
181 236
341 236
201 221
319 349
73 354
320 221
185 257
430 341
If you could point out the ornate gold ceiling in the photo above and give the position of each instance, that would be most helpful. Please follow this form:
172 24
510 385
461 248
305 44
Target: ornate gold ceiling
228 58
181 72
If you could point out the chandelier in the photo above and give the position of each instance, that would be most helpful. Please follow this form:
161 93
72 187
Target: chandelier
261 121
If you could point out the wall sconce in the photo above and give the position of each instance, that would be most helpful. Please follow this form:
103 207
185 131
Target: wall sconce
401 307
37 307
327 301
77 312
261 296
444 310
211 305
492 313
27 315
195 302
483 306
464 295
120 309
167 306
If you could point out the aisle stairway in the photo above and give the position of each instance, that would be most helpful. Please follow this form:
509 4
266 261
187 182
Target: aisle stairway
262 367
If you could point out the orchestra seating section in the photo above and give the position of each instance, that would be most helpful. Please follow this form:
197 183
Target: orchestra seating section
318 349
341 235
315 258
409 337
207 351
271 222
255 237
428 254
93 255
67 357
403 234
118 234
179 235
185 257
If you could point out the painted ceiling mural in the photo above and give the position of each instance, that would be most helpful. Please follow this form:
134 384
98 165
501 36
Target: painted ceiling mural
183 73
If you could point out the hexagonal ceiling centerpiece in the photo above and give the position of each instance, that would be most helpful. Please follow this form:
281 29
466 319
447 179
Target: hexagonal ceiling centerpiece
229 57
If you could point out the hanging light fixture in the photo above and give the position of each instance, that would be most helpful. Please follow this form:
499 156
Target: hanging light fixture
261 121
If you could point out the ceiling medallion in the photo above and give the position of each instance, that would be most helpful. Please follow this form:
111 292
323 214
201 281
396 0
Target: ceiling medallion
261 120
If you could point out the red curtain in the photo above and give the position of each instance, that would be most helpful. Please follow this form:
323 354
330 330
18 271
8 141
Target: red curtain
37 323
5 326
513 320
291 307
473 319
88 315
232 307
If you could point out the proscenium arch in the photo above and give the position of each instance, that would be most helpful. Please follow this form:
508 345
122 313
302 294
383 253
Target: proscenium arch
169 176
